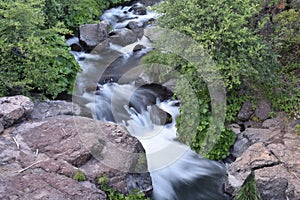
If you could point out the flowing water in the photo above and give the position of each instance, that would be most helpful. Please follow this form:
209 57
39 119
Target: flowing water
177 172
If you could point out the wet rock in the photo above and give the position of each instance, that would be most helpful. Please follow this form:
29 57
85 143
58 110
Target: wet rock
143 2
101 47
134 25
138 47
263 110
138 9
49 153
158 116
13 109
246 111
48 109
123 37
92 34
76 47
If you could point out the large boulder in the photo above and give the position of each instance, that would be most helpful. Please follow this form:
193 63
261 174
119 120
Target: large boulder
39 159
123 37
14 109
90 35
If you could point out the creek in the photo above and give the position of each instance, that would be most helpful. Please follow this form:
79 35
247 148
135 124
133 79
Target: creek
113 88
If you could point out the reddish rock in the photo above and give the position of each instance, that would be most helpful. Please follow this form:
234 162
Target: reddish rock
44 156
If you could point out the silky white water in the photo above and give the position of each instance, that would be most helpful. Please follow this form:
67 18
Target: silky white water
177 172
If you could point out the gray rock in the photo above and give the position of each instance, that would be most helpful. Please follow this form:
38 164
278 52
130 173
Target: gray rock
274 158
274 123
255 157
101 47
46 109
260 135
158 116
263 110
137 28
138 47
1 128
277 182
240 146
14 109
246 111
92 34
51 151
123 37
134 25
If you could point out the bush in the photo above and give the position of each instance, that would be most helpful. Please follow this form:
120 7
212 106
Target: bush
34 56
221 28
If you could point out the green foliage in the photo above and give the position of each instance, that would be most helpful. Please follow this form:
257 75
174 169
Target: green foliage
33 58
221 148
74 13
79 176
248 191
297 129
286 36
286 41
221 28
115 195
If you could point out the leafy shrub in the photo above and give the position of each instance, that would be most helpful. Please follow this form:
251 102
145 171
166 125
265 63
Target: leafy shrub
286 41
33 58
221 28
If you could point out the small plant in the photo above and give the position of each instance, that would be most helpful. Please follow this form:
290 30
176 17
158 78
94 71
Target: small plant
79 176
297 129
248 191
112 194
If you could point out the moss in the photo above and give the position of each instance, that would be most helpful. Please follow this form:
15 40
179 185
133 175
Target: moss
112 194
79 176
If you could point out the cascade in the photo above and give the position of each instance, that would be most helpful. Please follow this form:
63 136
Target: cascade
148 113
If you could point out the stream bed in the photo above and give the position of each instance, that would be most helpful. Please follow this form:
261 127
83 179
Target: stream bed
112 90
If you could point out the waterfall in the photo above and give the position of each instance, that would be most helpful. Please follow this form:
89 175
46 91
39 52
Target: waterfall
149 114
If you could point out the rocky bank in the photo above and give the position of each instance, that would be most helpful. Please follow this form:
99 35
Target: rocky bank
268 148
42 146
